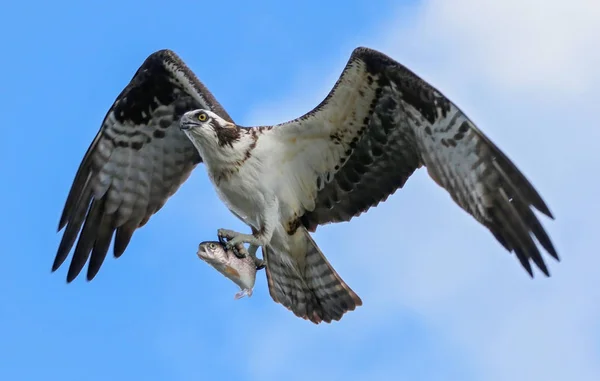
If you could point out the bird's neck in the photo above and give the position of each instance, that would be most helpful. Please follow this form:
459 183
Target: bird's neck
225 157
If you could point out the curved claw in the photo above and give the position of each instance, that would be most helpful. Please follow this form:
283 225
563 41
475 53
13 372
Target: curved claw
224 235
238 250
227 233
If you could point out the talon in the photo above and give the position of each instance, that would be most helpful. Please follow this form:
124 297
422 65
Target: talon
260 264
235 241
226 233
239 250
223 236
238 253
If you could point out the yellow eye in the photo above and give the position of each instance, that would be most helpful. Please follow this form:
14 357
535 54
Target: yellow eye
202 117
212 246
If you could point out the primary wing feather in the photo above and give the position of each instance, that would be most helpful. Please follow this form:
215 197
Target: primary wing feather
138 159
380 123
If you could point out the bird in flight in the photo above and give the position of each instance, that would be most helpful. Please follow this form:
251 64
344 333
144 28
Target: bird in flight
378 124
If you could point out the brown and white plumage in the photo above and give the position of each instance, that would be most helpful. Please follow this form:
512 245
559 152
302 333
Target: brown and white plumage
378 125
308 286
138 159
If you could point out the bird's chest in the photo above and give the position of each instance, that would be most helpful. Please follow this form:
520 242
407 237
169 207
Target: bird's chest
241 191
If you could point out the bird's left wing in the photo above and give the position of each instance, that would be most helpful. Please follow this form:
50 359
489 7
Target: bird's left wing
138 159
379 124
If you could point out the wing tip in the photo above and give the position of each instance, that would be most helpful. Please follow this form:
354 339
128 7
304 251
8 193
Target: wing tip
71 277
538 260
54 267
91 275
544 272
543 208
61 224
73 272
61 257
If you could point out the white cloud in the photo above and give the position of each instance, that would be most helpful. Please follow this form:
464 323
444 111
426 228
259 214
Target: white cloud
525 71
538 45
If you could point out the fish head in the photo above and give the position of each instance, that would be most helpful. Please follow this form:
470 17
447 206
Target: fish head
242 271
212 251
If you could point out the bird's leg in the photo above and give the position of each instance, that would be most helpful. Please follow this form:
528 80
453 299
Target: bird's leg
260 263
240 251
225 238
234 238
226 234
235 241
258 238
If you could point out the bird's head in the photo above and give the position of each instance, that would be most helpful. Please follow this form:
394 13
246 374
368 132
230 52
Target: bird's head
208 131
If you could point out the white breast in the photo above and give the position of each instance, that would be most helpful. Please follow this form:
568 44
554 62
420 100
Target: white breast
243 193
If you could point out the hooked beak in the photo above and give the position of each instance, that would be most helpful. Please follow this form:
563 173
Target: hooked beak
187 122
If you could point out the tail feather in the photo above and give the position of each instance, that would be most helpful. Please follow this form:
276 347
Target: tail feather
287 286
304 282
334 295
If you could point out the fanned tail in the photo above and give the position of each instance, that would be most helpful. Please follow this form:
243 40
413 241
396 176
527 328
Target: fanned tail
304 282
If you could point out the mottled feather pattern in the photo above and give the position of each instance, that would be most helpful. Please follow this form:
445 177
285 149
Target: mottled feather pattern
334 295
310 287
483 182
315 146
378 124
145 175
383 160
287 287
409 124
138 159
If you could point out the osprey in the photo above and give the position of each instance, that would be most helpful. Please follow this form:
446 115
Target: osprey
378 124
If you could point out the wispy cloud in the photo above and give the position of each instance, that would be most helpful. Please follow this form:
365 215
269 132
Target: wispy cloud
525 71
533 45
442 299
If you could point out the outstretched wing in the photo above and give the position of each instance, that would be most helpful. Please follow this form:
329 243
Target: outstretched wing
138 159
378 125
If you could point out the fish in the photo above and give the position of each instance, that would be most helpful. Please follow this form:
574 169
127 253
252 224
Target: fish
242 271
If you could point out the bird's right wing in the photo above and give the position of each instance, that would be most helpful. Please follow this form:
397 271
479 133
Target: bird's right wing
138 159
380 123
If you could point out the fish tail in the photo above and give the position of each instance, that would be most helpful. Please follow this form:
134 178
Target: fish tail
304 282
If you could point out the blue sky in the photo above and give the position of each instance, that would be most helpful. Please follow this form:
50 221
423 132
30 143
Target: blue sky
442 300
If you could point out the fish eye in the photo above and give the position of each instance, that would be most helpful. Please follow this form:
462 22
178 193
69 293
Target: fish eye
202 117
211 246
